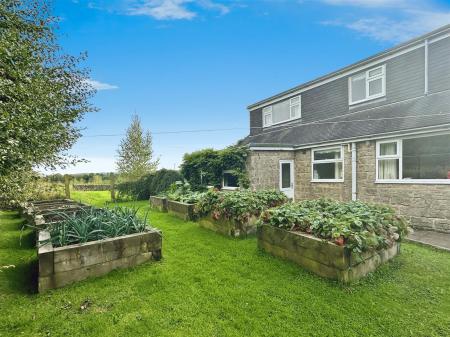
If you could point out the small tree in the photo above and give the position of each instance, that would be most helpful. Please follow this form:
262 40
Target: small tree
136 153
43 94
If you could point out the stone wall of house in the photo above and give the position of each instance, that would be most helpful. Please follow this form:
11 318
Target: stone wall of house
306 189
263 168
427 206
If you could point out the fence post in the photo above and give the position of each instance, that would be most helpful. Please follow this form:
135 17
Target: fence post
67 185
113 192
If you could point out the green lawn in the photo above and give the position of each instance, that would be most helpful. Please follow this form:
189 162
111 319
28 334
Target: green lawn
209 285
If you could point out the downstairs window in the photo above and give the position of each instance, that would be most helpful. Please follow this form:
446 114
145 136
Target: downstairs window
328 164
230 180
425 159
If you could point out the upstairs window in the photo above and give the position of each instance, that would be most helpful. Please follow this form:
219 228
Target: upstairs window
267 116
295 107
282 112
367 85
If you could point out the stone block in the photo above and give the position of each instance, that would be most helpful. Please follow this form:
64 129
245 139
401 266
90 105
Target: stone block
160 203
181 209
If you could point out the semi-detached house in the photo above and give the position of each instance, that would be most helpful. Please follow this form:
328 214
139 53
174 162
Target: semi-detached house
377 131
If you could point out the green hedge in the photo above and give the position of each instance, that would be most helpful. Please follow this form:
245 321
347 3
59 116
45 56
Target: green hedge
205 167
151 184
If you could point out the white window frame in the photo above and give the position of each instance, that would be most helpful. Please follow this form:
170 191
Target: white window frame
399 156
293 105
326 161
269 109
266 112
230 188
368 79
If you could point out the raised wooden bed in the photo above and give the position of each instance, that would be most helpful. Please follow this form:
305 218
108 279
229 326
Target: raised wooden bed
229 227
160 203
40 212
64 265
321 257
181 209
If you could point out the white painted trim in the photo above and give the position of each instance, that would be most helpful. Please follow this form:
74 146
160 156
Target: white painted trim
299 104
326 161
223 181
368 80
415 181
291 162
397 156
439 38
229 188
256 148
414 45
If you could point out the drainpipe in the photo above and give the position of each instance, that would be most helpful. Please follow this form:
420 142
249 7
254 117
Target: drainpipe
354 196
426 67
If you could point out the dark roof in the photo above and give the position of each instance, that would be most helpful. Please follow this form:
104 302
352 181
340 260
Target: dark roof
354 65
432 111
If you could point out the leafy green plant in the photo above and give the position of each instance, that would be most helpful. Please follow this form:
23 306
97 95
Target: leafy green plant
95 224
181 191
238 205
356 225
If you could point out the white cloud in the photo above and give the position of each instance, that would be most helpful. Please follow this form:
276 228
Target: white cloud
174 9
394 21
368 3
386 29
164 9
100 85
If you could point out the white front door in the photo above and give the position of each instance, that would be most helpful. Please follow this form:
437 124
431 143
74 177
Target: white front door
287 177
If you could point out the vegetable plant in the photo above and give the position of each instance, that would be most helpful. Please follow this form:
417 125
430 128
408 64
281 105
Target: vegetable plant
356 225
95 224
238 205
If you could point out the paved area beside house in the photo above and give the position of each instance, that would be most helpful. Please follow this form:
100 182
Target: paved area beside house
430 238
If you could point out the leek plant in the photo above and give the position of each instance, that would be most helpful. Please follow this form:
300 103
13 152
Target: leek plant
96 224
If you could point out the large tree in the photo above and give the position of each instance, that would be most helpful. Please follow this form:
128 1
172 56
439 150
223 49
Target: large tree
136 153
43 92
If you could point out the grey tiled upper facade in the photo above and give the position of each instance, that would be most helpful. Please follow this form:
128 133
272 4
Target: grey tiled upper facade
407 104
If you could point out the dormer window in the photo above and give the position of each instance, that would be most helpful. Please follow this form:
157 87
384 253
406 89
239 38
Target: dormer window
295 107
282 112
367 85
267 116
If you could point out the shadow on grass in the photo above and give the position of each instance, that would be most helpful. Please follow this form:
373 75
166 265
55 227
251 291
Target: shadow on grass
20 274
23 278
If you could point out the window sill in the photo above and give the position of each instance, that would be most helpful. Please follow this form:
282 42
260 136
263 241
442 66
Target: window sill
415 181
327 180
351 104
230 188
278 123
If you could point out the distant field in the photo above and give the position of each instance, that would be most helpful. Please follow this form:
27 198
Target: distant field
96 198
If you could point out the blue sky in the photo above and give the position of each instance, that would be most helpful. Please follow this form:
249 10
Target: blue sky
196 64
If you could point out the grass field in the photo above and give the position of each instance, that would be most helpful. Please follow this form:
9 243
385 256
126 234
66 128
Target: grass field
209 285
